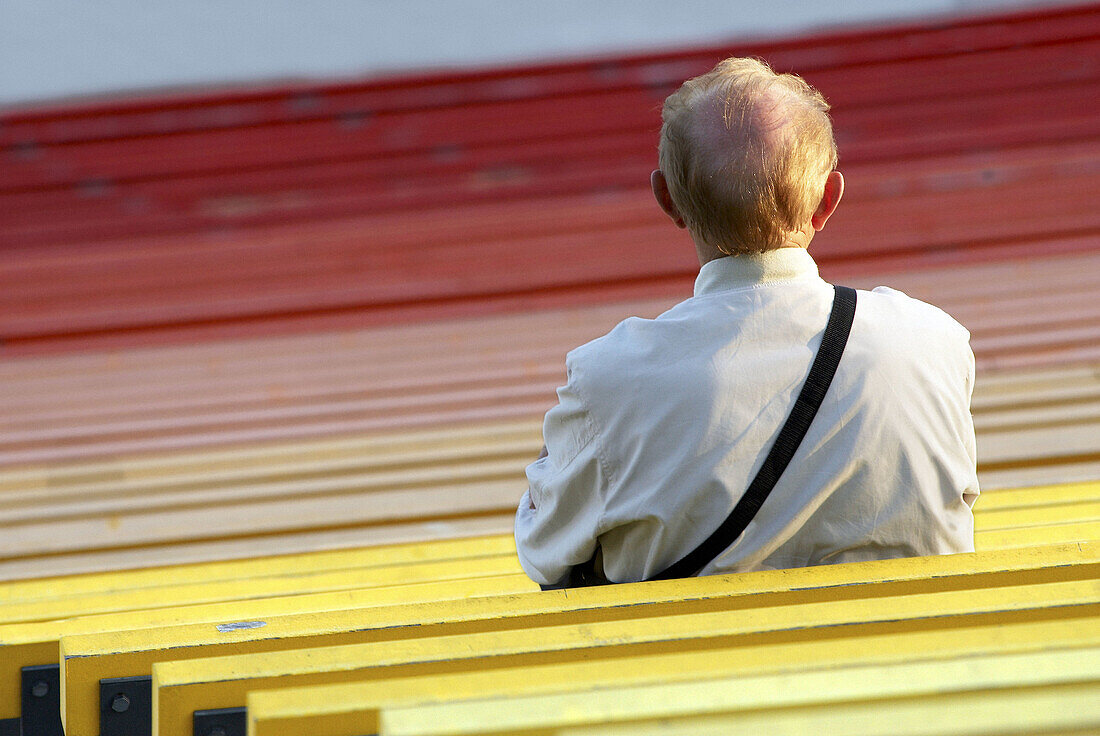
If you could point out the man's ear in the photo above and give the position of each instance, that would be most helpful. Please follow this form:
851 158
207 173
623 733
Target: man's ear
834 190
661 193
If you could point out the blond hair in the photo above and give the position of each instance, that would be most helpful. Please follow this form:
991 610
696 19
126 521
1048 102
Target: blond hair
762 174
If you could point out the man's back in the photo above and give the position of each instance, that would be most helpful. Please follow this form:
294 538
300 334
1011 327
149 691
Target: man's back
664 422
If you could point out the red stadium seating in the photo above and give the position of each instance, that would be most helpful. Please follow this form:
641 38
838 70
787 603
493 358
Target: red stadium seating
255 210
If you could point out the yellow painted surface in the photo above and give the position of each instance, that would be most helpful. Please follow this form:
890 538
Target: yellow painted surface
11 660
515 714
8 683
765 588
133 652
282 565
988 540
1037 496
264 587
255 568
279 566
23 645
222 681
351 708
1066 709
1060 502
1047 515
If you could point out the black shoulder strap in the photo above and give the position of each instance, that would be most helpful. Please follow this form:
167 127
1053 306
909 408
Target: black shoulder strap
790 437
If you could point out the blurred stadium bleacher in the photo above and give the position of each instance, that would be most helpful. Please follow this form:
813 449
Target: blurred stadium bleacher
272 363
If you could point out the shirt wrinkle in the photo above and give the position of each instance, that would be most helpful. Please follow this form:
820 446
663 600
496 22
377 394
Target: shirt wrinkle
606 476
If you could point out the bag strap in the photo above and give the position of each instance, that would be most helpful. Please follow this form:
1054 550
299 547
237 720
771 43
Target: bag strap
786 444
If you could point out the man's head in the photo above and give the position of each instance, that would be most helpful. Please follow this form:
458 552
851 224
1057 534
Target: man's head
747 159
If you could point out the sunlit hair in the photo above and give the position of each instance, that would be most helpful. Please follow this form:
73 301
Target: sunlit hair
746 153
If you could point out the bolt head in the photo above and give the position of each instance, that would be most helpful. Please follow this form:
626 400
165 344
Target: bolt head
40 688
216 731
120 703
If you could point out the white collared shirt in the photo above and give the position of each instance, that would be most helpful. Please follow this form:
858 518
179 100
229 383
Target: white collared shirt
663 423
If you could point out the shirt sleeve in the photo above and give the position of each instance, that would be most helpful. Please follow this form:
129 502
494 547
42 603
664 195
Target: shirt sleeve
557 522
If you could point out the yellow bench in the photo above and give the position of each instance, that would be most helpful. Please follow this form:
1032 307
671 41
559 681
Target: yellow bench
1044 495
31 649
351 579
1056 500
387 575
27 646
1070 708
182 687
988 675
87 659
1049 710
353 708
395 564
990 520
254 568
138 589
1011 538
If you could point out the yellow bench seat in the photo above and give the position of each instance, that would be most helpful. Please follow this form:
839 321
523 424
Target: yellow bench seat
989 674
130 653
181 687
353 708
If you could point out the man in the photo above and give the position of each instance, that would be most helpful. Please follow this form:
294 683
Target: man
663 423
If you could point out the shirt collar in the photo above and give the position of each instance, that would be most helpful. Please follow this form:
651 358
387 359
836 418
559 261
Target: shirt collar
741 271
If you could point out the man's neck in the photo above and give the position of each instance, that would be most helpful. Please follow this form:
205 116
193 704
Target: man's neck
709 253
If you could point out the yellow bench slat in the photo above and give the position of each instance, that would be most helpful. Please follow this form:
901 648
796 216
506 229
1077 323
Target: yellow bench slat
29 644
36 643
1058 502
1006 498
183 684
352 708
255 567
134 651
1046 515
1055 710
994 539
245 589
528 715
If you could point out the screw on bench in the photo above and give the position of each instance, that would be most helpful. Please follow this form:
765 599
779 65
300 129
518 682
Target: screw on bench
40 703
126 706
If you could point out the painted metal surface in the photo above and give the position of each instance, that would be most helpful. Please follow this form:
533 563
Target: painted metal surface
223 681
36 643
1057 709
256 568
348 708
382 576
1078 666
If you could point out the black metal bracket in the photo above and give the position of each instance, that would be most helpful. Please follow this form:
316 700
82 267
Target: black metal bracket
126 706
41 700
221 722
